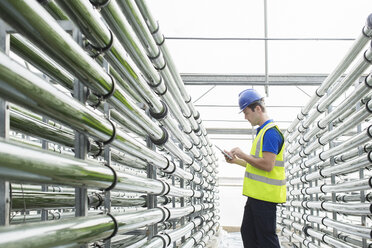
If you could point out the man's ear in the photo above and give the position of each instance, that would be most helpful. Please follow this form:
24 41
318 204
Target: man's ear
258 108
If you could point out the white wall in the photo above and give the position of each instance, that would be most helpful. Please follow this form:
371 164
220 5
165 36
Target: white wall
232 204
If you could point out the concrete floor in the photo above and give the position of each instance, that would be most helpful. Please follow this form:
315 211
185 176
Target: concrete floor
225 239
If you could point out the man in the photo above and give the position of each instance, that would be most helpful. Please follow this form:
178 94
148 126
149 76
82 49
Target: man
264 181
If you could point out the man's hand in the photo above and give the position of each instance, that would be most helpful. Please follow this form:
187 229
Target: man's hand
236 152
236 159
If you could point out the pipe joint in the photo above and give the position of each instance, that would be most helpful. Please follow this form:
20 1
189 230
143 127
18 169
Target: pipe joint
98 4
166 214
305 230
165 190
97 51
368 25
108 95
115 227
365 57
321 189
113 135
163 139
100 149
369 156
319 126
163 113
367 106
157 84
170 168
197 116
166 242
115 179
369 131
368 81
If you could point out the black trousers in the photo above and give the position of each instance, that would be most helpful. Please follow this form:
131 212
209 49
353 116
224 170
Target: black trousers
258 228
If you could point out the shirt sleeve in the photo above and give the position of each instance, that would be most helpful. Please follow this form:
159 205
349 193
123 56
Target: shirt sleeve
272 141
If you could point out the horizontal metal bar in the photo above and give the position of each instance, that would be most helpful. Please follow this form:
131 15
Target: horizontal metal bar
249 79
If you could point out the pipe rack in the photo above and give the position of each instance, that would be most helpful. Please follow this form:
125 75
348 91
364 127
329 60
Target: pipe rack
329 158
102 145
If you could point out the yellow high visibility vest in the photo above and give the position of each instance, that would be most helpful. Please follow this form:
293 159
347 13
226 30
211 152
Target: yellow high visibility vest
263 185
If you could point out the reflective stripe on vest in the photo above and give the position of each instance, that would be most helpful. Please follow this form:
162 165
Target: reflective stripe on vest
265 179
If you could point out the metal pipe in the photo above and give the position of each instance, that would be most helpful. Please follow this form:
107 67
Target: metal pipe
32 165
324 102
348 103
349 57
26 50
80 229
153 26
66 110
134 16
123 31
82 13
52 200
84 16
135 241
350 209
53 9
354 141
43 30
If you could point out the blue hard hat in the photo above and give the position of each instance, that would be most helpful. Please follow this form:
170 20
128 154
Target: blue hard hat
247 97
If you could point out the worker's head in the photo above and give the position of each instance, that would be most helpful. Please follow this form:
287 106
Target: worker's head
250 98
252 105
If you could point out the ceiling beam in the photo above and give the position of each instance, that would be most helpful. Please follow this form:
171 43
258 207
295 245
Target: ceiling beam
246 79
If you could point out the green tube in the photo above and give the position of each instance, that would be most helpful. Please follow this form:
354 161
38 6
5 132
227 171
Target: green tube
55 233
23 48
82 13
30 19
27 125
24 164
54 9
32 92
33 200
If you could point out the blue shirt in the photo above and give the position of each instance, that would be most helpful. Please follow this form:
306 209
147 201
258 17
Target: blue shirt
272 141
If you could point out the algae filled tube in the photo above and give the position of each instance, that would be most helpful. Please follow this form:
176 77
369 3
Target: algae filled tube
82 13
24 164
30 19
28 88
77 230
134 16
121 28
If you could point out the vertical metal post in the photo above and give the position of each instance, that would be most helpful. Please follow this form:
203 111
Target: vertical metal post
81 141
107 156
151 199
182 199
363 219
4 133
44 145
266 51
333 178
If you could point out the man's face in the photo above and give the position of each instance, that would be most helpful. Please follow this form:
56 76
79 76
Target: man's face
250 116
